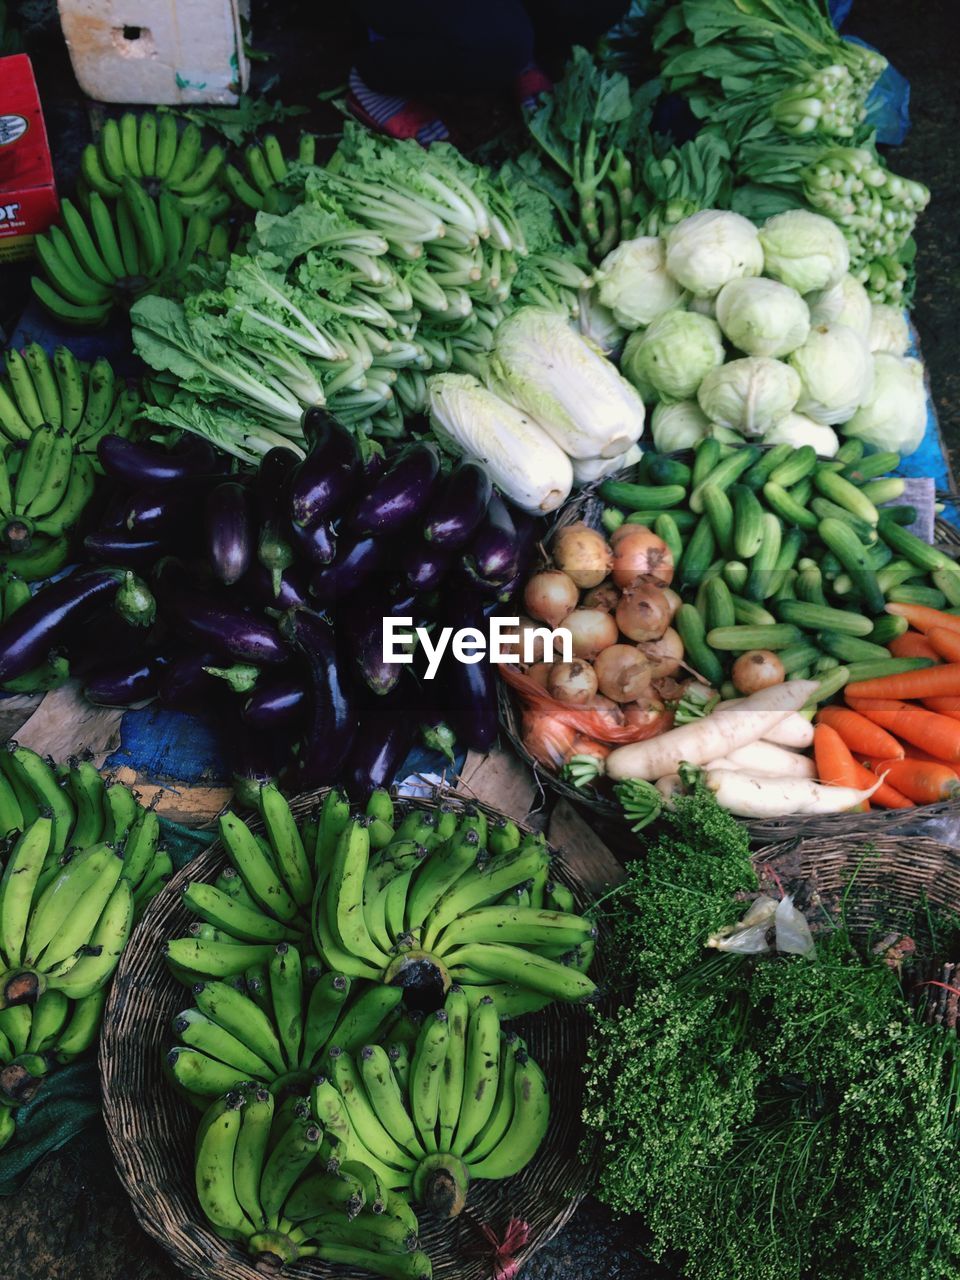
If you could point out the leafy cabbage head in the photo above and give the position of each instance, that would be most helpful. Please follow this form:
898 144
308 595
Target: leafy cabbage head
711 247
762 317
672 356
846 303
836 370
804 250
895 414
749 395
889 331
634 282
798 430
678 425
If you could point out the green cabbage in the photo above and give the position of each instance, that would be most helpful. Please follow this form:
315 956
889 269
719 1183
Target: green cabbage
889 330
672 356
804 250
749 395
711 247
846 303
634 284
763 317
836 369
678 425
895 414
797 430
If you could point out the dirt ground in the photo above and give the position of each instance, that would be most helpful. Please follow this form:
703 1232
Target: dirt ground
71 1221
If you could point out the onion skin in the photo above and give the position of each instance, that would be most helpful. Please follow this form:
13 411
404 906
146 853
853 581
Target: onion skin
643 712
572 682
666 654
673 600
540 671
606 596
583 554
641 555
758 669
643 613
591 630
623 673
549 596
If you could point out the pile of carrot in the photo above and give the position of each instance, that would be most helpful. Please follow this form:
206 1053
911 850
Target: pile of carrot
905 728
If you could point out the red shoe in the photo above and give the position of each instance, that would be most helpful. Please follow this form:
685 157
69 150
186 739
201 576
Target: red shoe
395 116
531 85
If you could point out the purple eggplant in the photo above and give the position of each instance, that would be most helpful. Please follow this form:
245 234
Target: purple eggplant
493 556
460 507
259 588
363 634
273 494
389 729
332 717
356 562
425 565
277 704
373 467
315 542
133 552
42 622
469 689
229 532
124 683
218 623
155 512
140 463
327 476
401 493
185 685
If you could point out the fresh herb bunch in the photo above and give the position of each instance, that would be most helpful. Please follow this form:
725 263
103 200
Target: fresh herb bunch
777 1118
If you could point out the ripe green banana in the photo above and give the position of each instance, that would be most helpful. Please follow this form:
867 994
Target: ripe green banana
454 1066
258 874
481 1073
289 853
201 958
426 1074
322 1193
505 963
367 1125
243 1018
202 1074
197 1031
439 873
484 883
323 1010
45 384
86 790
251 1153
333 818
50 1015
344 896
140 846
81 1027
40 778
243 923
17 887
76 931
287 1161
286 994
527 1128
520 926
54 906
400 859
386 1098
214 1174
106 945
363 1018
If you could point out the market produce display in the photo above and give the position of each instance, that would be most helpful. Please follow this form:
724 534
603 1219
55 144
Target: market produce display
262 184
83 860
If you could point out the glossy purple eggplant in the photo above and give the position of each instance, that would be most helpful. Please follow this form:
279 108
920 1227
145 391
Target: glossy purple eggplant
493 555
357 561
277 704
184 685
258 587
332 716
40 624
124 683
460 506
155 512
425 565
389 730
361 625
141 463
401 494
272 484
217 622
327 476
115 547
316 542
228 532
468 691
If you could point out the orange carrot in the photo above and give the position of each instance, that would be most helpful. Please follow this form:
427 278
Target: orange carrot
922 781
835 764
914 753
945 643
922 618
944 706
929 682
925 729
859 733
913 644
885 796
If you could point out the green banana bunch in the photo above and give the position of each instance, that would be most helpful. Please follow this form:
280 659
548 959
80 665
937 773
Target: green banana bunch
156 154
87 401
111 256
261 186
267 1177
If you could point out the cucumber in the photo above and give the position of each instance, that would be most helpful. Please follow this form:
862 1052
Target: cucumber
846 495
698 553
784 505
843 542
809 585
642 497
831 684
798 657
817 617
665 527
724 473
802 492
719 510
851 648
947 580
747 522
742 639
801 463
887 490
750 614
871 467
879 555
735 575
826 662
790 547
887 667
895 574
842 585
827 510
917 593
830 566
900 515
909 545
611 519
764 563
684 520
696 651
850 452
719 604
759 473
729 691
665 470
787 587
887 627
705 458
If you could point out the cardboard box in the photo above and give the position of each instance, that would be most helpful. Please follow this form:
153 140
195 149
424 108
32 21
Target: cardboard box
28 194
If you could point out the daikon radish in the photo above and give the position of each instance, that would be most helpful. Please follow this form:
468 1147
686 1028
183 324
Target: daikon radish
758 795
793 731
713 737
765 757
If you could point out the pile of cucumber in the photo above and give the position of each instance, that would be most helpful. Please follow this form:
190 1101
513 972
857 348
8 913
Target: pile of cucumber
785 551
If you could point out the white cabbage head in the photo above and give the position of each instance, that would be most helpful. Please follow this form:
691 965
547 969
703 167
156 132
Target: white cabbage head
804 250
798 430
678 425
711 247
749 395
836 369
895 415
672 356
846 303
762 317
634 282
889 330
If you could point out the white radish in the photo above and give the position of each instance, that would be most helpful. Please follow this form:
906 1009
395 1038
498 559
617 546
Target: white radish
794 731
758 795
713 737
765 757
670 787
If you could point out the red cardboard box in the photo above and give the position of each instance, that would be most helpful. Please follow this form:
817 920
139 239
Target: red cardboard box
28 194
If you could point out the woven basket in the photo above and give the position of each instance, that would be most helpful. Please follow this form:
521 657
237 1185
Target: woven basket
150 1128
586 506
